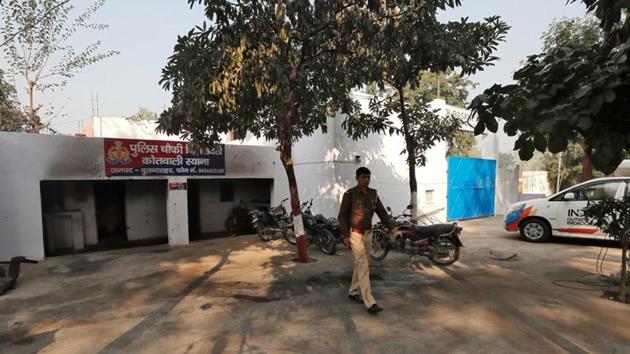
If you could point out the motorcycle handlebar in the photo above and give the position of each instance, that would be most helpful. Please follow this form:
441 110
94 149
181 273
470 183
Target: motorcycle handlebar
24 260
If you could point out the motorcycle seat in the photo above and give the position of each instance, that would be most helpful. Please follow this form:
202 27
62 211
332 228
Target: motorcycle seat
321 219
432 230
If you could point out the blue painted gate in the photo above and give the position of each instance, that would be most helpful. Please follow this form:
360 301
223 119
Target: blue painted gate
471 188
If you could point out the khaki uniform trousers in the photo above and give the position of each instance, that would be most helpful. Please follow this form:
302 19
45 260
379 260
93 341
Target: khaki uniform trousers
361 245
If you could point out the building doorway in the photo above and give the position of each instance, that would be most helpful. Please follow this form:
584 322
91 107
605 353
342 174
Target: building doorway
212 201
110 212
80 216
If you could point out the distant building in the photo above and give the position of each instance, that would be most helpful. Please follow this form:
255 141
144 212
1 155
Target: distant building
533 184
118 127
623 170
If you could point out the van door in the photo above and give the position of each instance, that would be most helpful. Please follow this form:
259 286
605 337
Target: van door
570 219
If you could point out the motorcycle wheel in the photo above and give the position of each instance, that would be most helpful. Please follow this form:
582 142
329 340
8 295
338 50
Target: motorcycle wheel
380 245
264 233
289 235
230 224
453 254
327 242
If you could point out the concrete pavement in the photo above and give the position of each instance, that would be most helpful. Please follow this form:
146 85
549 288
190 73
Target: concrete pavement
240 295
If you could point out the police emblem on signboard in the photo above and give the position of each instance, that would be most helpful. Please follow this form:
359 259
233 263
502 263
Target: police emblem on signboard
118 154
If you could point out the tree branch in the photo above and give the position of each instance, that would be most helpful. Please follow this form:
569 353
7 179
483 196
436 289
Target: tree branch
11 37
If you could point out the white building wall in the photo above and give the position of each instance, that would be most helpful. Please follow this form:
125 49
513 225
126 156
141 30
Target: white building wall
325 166
145 209
390 173
506 191
534 182
28 159
177 214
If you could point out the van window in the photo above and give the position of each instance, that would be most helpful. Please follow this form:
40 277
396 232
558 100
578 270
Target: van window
627 196
600 191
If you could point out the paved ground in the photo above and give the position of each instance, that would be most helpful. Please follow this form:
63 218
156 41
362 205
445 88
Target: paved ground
241 295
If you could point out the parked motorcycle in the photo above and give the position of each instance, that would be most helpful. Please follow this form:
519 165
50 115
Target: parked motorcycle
316 232
439 242
332 225
240 220
270 222
9 281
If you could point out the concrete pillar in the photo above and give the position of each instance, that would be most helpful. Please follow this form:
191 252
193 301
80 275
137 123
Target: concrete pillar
177 211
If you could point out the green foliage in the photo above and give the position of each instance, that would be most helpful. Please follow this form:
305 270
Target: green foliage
570 93
277 69
11 118
452 88
462 143
35 40
506 160
576 32
612 216
571 171
411 42
424 126
143 115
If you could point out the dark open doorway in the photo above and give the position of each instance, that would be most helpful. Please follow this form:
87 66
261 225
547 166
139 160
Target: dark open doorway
110 212
82 216
194 216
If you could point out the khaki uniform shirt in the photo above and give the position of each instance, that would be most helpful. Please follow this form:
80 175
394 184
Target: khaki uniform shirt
357 210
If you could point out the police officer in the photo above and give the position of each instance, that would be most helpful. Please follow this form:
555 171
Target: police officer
355 221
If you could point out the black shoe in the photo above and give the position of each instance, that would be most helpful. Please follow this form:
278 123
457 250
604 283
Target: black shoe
357 298
374 309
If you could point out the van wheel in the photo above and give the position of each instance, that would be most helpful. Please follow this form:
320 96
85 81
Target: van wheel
535 230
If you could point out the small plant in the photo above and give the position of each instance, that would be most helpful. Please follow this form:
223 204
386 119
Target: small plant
612 216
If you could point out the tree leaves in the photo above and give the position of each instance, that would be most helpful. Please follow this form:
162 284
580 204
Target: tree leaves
540 142
574 91
275 69
11 117
557 143
36 36
612 216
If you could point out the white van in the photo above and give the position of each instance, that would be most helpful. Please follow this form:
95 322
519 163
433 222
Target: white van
561 214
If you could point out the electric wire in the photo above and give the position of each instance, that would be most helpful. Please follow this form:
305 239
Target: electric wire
603 282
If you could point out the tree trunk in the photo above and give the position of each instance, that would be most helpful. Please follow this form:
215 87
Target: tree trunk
624 268
285 135
587 164
32 111
411 158
296 212
587 168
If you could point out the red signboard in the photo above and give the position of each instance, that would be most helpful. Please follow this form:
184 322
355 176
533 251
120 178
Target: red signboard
177 186
131 157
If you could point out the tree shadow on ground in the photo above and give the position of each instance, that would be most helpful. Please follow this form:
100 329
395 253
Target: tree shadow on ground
288 306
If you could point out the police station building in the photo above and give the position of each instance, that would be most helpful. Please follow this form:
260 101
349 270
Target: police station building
125 185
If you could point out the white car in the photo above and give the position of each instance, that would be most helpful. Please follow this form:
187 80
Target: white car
561 214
